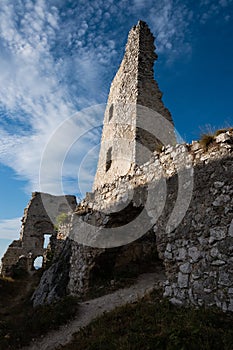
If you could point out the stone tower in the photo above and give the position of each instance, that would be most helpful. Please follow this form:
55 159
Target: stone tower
134 100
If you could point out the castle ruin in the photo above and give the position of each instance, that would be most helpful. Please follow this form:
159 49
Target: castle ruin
179 195
36 223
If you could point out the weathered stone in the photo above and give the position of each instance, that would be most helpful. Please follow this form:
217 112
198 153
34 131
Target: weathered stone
226 246
225 278
194 253
214 252
53 284
218 262
223 137
167 291
39 219
217 234
185 268
183 280
181 253
176 301
221 200
218 184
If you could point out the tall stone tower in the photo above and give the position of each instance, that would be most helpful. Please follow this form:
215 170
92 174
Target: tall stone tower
134 101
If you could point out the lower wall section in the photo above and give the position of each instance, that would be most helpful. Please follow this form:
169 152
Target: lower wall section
198 254
195 248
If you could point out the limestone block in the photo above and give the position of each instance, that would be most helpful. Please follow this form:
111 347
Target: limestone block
223 137
194 253
183 280
217 234
185 268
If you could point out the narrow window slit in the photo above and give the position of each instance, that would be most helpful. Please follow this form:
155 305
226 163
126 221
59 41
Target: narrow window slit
109 159
110 113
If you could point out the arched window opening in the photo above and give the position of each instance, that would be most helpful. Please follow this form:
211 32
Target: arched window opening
110 113
46 240
109 159
38 263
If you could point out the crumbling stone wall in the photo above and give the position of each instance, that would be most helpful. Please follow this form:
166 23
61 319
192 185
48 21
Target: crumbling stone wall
36 222
196 254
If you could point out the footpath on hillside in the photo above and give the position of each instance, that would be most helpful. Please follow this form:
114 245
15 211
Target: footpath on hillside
93 308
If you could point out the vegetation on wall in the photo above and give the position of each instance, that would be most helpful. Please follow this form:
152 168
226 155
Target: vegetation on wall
61 219
209 137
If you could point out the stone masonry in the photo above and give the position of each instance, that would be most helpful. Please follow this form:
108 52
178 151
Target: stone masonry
126 138
196 253
35 224
189 217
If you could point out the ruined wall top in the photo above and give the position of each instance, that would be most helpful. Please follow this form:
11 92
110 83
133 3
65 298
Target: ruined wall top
138 62
134 81
39 219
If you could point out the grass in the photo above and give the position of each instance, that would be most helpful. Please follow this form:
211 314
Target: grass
207 139
20 322
154 323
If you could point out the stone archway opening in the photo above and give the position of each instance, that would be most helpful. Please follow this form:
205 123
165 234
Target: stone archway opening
116 267
38 262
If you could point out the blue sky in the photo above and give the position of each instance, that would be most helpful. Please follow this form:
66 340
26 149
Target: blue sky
57 60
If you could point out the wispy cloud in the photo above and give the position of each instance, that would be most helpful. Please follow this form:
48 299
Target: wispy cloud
211 8
35 90
171 23
9 229
57 58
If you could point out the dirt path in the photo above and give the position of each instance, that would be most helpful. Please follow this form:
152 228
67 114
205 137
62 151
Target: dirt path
93 308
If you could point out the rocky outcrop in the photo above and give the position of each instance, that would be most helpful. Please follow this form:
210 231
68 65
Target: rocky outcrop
53 284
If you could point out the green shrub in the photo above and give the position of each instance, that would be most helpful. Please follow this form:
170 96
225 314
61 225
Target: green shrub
62 219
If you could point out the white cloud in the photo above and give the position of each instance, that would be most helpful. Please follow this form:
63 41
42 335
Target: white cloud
224 3
30 79
10 229
56 59
141 4
169 20
210 8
